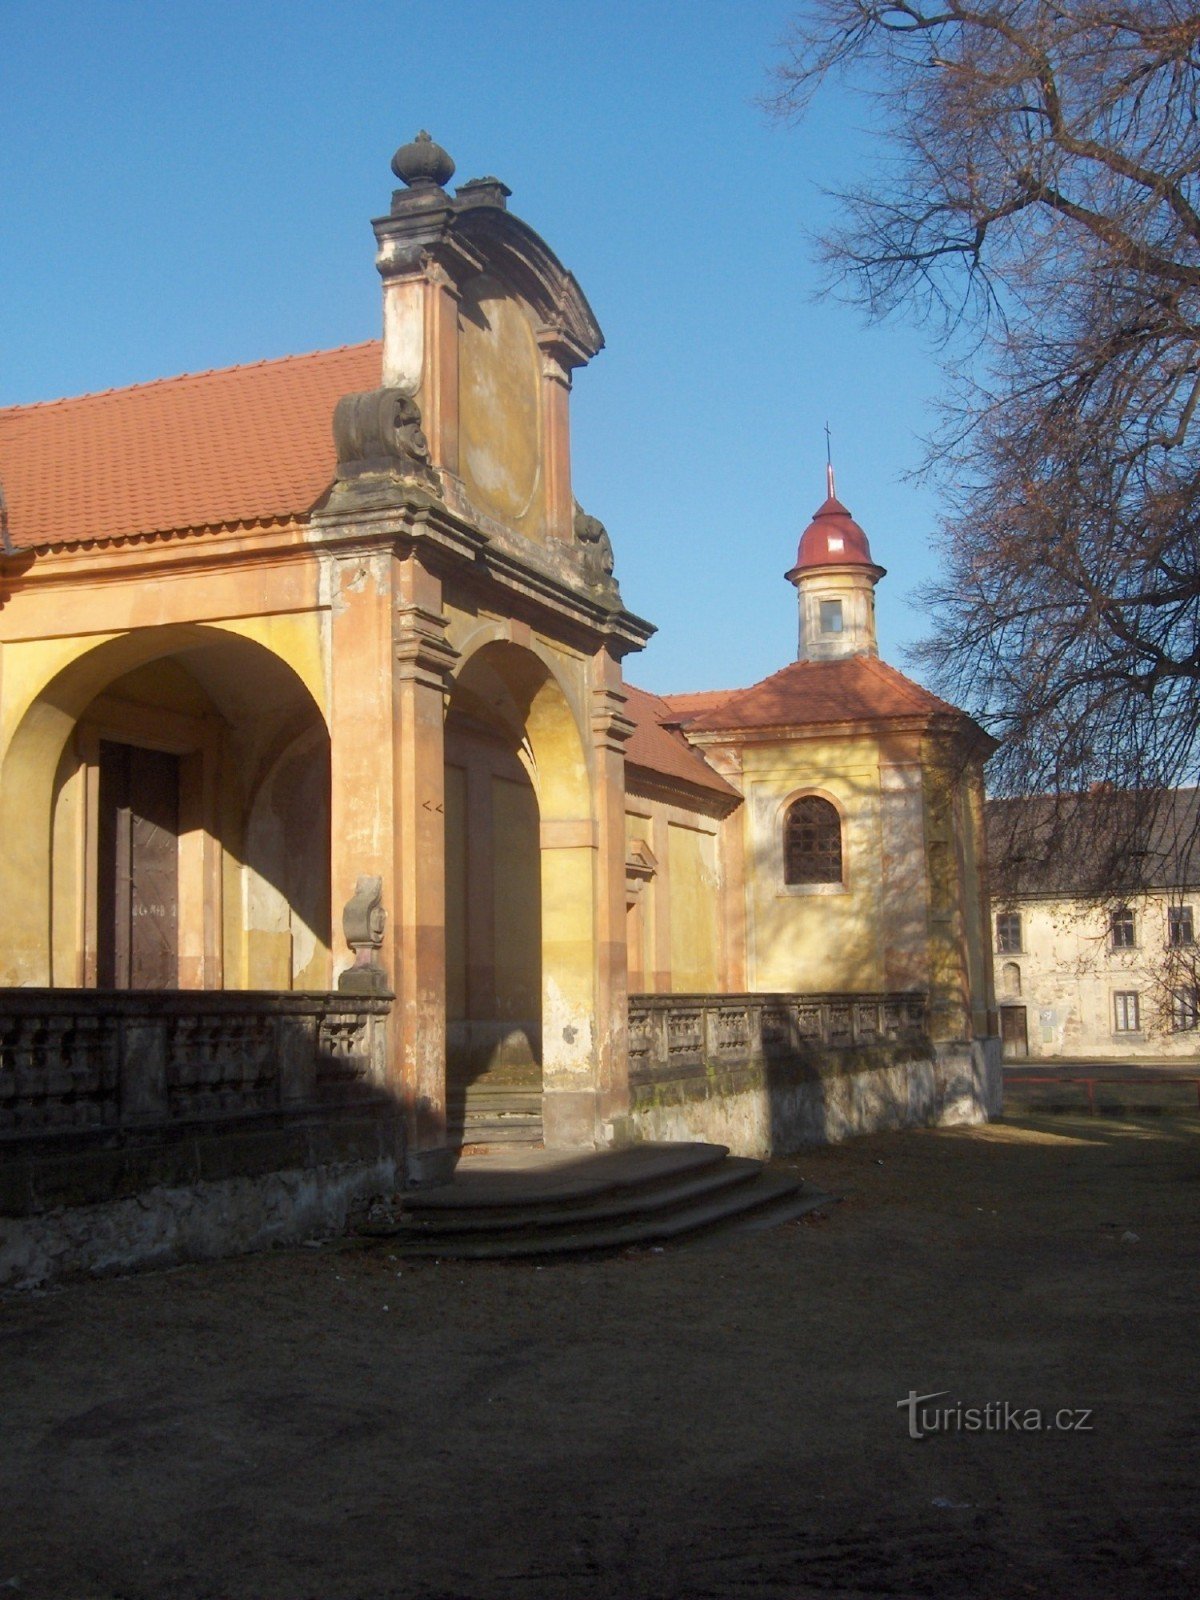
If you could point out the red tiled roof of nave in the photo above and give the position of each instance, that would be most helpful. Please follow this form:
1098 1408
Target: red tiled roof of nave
660 750
243 444
810 693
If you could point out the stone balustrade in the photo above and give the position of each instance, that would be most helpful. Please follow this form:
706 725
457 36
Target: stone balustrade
676 1035
85 1060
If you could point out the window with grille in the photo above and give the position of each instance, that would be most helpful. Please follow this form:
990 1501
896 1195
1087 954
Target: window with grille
1120 926
1126 1014
812 842
1181 929
1185 1010
1008 933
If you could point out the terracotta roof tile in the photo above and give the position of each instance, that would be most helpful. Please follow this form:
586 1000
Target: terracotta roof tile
663 751
237 445
810 693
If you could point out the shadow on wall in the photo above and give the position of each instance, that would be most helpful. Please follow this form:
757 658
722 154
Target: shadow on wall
145 1129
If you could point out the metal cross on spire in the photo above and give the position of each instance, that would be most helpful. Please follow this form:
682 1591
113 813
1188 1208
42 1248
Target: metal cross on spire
829 462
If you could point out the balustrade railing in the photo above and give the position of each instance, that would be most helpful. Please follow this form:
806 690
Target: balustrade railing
673 1034
80 1059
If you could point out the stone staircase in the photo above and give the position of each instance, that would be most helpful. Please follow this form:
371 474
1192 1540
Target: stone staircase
483 1115
540 1203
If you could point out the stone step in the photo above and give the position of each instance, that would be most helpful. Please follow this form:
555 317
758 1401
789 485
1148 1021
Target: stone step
507 1128
487 1115
545 1177
496 1098
621 1205
702 1216
536 1203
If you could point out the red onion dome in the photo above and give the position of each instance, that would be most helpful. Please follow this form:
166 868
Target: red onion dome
833 539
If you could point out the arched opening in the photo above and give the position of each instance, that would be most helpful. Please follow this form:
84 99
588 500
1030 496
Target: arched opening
165 801
520 889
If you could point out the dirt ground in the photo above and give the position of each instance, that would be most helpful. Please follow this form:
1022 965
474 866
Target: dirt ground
719 1420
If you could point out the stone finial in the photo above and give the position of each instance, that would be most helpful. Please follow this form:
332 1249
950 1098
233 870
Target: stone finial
422 162
363 922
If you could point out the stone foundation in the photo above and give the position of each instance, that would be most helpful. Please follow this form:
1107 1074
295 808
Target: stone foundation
163 1227
761 1114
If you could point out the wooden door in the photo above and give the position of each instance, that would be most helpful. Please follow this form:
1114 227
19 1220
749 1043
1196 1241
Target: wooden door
138 863
1014 1032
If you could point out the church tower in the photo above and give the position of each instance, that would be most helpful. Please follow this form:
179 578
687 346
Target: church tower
835 582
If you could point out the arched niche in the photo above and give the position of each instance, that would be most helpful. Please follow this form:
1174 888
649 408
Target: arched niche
209 717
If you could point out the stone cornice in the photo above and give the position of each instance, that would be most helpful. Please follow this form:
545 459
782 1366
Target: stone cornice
952 725
403 512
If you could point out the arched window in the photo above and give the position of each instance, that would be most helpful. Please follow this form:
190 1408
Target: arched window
812 842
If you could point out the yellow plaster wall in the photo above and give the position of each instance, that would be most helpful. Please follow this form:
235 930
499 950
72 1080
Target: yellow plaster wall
822 937
516 903
695 955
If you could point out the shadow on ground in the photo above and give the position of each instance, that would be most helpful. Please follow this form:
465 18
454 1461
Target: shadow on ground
710 1421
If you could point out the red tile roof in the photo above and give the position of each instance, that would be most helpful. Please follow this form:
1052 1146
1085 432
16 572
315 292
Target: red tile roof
810 693
664 752
240 445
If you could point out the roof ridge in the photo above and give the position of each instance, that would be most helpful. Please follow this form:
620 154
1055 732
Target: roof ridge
185 377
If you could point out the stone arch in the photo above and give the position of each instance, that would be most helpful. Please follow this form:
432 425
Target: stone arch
244 694
514 693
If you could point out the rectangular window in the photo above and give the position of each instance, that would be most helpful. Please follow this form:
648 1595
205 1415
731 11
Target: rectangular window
1126 1016
1181 929
1121 928
1185 1010
1008 933
831 616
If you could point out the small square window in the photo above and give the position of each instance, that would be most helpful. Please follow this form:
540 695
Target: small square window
1121 928
1126 1012
1008 933
1181 929
831 616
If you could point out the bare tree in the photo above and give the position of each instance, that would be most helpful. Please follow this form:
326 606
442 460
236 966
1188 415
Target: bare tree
1038 204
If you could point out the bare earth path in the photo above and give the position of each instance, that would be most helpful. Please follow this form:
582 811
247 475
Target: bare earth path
715 1421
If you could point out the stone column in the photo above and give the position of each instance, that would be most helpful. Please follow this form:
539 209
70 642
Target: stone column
423 660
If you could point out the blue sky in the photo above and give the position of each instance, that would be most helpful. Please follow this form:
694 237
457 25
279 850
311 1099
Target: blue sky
186 186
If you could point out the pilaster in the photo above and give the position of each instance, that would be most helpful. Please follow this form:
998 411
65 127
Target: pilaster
423 660
610 731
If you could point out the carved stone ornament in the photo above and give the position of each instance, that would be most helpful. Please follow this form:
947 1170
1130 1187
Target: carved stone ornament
422 162
379 432
363 922
592 538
